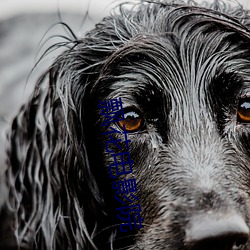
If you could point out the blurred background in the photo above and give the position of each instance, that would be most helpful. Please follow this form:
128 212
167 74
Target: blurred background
25 27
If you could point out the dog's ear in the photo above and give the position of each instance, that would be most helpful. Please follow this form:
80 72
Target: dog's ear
52 188
46 169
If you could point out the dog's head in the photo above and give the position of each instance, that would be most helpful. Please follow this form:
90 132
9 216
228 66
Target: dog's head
183 74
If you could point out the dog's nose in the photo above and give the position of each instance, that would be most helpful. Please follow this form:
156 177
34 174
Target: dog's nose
217 232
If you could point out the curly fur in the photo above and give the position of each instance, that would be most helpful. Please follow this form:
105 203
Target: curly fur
183 66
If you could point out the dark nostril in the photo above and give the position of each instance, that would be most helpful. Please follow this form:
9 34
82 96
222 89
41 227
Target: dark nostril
240 241
217 232
223 242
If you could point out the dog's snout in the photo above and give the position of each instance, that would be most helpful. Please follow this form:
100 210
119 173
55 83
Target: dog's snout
222 232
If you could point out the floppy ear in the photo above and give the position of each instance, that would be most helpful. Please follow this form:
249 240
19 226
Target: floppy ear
54 197
47 171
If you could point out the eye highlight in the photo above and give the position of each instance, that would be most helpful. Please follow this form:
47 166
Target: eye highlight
243 112
133 121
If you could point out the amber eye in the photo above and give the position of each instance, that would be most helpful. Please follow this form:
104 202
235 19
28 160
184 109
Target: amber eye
243 113
133 121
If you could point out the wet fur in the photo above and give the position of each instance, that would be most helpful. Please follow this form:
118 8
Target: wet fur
184 68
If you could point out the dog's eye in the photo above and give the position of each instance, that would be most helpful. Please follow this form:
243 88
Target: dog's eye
133 121
243 113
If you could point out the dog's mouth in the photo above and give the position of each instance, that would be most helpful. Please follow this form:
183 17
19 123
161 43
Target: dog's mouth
222 232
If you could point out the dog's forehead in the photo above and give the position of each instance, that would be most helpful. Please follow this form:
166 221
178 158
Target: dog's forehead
187 54
185 66
185 62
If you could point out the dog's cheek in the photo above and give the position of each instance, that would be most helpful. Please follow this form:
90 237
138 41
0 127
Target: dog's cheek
144 157
145 153
143 171
244 140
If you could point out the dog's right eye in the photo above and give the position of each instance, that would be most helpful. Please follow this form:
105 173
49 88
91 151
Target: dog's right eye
133 121
243 113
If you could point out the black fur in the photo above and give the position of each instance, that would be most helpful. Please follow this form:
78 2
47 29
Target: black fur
184 69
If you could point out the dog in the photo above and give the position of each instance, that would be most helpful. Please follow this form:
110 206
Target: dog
180 73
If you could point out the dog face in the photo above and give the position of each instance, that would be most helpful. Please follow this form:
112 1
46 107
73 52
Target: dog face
185 89
183 76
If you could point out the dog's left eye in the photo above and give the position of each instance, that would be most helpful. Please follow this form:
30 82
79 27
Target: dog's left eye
243 113
133 121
